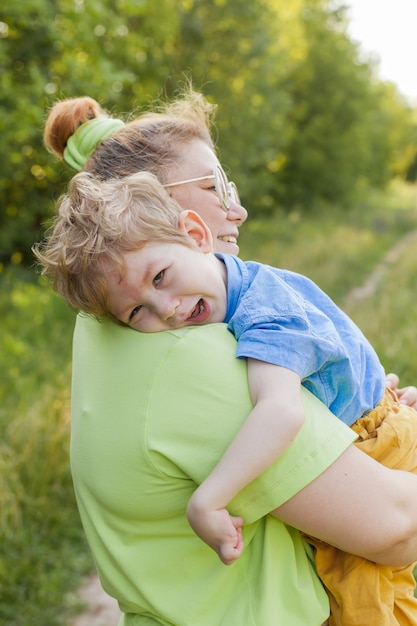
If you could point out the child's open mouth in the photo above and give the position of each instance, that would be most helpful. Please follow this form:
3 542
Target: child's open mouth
200 313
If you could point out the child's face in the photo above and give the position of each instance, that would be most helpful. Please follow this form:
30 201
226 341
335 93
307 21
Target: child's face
169 285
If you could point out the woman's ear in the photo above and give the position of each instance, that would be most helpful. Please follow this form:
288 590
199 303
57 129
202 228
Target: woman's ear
195 227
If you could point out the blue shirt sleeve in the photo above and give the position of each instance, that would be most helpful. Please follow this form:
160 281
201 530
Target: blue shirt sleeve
284 318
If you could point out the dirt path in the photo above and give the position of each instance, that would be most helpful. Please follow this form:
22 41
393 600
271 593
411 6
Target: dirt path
102 610
373 281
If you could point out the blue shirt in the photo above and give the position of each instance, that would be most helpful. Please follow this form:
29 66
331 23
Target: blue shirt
284 318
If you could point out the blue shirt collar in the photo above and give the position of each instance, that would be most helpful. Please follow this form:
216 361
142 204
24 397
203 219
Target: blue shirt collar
237 281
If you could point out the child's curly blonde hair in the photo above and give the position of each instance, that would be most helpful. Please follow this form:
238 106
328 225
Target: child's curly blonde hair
96 223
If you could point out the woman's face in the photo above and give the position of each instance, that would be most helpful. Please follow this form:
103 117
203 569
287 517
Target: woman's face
198 160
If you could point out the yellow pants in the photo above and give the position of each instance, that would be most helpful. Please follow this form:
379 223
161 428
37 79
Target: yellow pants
363 593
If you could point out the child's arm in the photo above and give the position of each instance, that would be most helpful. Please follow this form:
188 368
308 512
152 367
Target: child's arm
273 423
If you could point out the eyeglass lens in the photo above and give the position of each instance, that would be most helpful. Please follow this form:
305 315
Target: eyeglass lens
226 190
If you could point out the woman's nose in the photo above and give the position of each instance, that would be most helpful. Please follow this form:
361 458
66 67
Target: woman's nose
237 212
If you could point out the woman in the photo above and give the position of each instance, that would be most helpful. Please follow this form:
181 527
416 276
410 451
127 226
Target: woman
152 415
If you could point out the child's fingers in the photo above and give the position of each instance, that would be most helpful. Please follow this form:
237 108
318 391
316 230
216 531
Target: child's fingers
229 554
231 549
406 395
392 380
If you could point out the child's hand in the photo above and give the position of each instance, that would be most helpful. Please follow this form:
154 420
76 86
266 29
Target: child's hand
221 531
406 395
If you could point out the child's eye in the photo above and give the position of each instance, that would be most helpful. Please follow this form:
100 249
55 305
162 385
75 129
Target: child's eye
134 312
159 277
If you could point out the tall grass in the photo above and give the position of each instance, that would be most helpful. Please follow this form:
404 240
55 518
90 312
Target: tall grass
42 550
42 545
335 248
388 315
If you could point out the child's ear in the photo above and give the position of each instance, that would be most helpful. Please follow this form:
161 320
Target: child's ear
195 227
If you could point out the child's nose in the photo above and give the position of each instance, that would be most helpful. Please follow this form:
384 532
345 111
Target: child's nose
167 309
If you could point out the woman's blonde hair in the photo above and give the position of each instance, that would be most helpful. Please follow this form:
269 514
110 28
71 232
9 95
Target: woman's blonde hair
151 142
98 222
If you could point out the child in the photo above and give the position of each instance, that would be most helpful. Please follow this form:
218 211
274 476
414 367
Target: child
124 249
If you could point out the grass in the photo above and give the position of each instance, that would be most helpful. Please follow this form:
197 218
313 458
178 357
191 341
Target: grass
336 249
389 315
42 553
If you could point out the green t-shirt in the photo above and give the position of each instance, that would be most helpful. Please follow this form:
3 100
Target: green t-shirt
151 416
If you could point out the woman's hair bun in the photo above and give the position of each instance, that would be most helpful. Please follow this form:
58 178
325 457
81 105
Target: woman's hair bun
65 117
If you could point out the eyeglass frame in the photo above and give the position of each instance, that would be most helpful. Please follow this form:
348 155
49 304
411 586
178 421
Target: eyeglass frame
230 187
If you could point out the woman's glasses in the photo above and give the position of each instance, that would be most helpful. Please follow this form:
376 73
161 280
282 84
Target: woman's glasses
225 189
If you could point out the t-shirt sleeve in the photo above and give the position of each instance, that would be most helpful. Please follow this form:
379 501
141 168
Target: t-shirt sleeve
199 402
321 440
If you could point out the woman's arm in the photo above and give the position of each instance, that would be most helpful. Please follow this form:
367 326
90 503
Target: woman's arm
359 506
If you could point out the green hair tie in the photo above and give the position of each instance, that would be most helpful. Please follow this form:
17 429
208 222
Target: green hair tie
86 139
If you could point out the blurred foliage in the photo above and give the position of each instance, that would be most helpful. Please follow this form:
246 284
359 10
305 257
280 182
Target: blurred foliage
42 548
335 249
388 316
302 117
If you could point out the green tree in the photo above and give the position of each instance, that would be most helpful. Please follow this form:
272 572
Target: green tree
300 118
331 91
240 53
27 41
55 49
